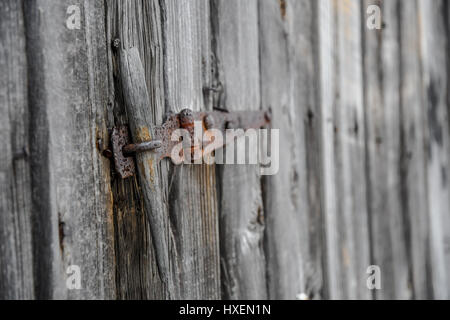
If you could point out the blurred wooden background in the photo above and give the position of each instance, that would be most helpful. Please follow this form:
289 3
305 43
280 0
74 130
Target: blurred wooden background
364 149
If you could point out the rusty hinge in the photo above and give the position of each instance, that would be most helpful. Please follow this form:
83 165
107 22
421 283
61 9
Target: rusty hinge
162 143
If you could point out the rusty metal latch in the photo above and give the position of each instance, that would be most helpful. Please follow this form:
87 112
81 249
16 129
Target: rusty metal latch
162 143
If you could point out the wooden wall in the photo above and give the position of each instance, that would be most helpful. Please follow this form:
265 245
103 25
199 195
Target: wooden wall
364 150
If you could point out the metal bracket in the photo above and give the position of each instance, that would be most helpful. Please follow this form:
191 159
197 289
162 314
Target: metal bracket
124 165
162 144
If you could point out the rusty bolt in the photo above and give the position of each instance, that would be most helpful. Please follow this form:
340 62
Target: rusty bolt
107 153
186 118
209 121
116 43
141 147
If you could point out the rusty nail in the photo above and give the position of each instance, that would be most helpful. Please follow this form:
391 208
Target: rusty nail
209 121
116 43
142 146
186 118
107 153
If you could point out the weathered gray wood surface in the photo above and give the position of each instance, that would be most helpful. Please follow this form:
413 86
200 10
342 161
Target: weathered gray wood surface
16 262
63 112
434 53
343 136
364 150
180 202
192 196
412 138
137 274
384 151
292 198
235 27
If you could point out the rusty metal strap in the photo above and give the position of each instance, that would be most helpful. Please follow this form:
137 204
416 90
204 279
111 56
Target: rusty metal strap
162 144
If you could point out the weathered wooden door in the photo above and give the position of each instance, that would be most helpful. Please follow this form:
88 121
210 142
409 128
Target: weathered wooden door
363 149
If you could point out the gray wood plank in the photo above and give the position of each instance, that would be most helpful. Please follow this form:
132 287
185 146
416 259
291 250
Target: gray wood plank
414 159
364 150
16 259
343 134
235 32
382 79
70 181
191 196
434 95
327 88
137 102
164 66
135 25
292 197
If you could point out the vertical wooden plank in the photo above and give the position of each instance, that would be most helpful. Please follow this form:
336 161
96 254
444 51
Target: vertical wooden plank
351 166
383 147
289 85
434 81
327 89
352 228
191 194
16 260
235 32
346 221
414 159
137 102
166 44
70 181
135 26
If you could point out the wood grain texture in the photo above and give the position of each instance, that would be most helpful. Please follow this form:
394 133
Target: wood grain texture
327 87
413 158
135 25
191 196
235 32
382 80
70 180
292 197
364 150
16 259
434 95
163 65
343 138
137 102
